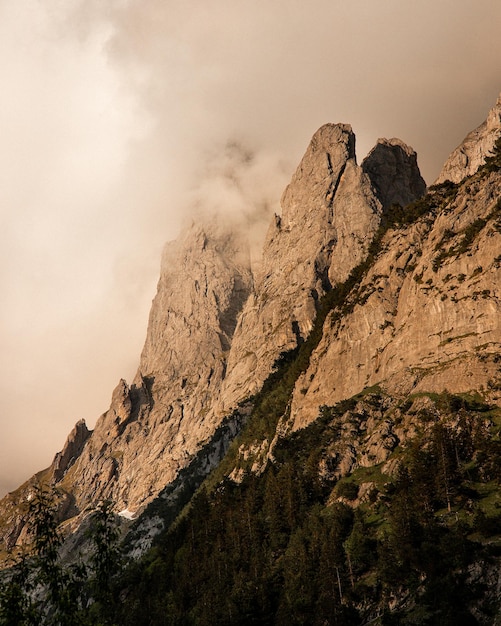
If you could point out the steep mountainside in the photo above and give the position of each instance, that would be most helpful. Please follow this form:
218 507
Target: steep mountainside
364 488
156 424
330 212
366 349
426 315
383 511
215 332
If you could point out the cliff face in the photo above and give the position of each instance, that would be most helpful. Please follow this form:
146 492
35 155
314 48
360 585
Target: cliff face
330 212
213 336
424 315
157 423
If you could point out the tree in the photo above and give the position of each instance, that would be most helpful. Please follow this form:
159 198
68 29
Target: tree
359 546
105 562
16 605
59 587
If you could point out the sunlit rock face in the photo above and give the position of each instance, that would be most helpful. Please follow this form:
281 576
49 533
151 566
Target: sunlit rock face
475 147
426 315
214 332
156 424
330 212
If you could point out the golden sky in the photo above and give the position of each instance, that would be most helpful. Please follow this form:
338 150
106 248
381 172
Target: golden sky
118 117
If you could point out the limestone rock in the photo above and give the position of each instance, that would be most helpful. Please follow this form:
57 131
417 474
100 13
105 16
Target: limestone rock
320 235
426 315
154 427
212 338
476 146
330 212
71 450
394 172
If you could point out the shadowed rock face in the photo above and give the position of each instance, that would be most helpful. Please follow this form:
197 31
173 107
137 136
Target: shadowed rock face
392 167
71 451
475 147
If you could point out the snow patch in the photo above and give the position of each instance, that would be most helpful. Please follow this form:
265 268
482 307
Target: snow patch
127 514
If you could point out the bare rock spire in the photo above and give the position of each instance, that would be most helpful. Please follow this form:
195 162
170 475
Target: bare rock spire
394 172
155 425
330 212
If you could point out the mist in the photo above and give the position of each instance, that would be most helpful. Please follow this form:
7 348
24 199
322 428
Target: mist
121 119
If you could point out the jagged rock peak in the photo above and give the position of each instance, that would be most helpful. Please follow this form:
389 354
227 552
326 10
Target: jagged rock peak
71 450
329 216
473 150
330 135
392 167
205 279
155 425
121 402
426 314
317 177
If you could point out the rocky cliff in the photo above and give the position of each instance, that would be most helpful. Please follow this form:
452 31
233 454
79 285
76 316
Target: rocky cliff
213 335
421 316
215 331
158 422
155 425
330 212
426 315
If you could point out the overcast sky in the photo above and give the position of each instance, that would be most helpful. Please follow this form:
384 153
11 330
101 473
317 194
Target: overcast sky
117 117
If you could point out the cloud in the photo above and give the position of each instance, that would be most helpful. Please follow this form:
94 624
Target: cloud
119 119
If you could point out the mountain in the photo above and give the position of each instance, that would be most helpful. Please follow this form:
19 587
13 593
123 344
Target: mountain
349 388
330 212
215 330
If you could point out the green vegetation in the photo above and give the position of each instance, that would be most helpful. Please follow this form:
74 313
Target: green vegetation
40 590
296 544
493 163
279 548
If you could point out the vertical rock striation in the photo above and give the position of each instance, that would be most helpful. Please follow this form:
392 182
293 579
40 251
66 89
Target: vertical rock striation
426 315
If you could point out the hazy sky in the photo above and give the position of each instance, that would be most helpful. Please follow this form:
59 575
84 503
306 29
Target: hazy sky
117 117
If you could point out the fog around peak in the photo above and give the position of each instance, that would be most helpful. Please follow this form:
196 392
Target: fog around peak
120 119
